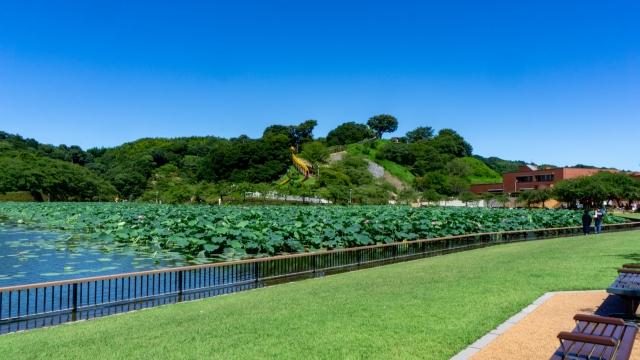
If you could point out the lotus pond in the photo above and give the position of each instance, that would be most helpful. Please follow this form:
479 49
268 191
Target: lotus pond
231 233
30 254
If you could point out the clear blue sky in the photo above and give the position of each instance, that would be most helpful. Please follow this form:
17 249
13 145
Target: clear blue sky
554 82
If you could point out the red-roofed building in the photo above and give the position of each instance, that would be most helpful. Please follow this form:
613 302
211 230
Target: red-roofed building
530 177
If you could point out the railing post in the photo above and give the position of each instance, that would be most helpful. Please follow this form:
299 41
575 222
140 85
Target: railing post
424 247
256 270
395 251
75 296
180 288
313 263
358 256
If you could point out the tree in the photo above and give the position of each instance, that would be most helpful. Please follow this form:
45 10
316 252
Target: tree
297 134
431 196
304 132
420 133
468 197
305 192
427 158
383 124
458 185
450 142
407 196
285 190
459 168
338 192
398 153
531 197
23 171
264 189
315 152
223 189
349 133
620 186
487 197
544 195
434 180
370 194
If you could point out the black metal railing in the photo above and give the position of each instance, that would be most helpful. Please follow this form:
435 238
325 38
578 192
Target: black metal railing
45 304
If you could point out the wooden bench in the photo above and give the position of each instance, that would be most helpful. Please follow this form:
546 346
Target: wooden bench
627 286
597 337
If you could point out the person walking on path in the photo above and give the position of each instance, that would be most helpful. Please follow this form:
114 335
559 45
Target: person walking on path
586 222
598 214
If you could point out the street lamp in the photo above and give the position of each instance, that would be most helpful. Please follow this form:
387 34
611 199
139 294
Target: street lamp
350 190
156 197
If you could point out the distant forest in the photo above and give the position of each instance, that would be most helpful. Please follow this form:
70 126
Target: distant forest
206 168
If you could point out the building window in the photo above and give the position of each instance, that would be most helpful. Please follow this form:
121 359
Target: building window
547 177
524 178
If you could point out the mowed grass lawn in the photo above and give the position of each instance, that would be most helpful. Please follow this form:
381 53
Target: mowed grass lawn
430 308
633 216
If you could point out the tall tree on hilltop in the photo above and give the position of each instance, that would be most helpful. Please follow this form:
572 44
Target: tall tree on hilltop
383 123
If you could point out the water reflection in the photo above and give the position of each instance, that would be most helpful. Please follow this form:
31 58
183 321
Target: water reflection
32 255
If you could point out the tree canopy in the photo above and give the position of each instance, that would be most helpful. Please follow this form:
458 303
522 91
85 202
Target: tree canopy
297 134
349 133
383 123
419 134
42 176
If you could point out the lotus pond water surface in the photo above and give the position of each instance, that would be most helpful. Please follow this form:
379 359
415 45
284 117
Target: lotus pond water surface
30 255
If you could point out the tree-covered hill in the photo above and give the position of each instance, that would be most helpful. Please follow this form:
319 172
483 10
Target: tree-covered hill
209 168
46 178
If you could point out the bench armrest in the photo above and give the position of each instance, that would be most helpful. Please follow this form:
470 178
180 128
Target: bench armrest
599 319
631 266
589 339
628 271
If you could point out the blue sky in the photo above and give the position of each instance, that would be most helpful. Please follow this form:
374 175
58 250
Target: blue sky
553 82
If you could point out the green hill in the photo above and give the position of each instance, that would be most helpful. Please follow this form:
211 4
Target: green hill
482 174
207 168
372 153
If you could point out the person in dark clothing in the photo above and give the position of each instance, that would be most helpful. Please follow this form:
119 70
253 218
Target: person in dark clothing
586 222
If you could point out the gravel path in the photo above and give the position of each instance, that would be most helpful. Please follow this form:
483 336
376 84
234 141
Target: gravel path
376 170
534 337
337 156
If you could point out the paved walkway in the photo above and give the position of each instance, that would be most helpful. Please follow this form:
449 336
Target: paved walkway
494 334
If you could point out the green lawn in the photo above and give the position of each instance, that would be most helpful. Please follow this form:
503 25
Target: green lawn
430 308
633 216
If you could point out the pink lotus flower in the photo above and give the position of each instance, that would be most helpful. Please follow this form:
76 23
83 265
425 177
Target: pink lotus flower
479 225
366 221
433 223
504 220
168 229
139 216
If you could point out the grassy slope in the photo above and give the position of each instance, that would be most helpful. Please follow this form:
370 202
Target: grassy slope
394 169
430 308
482 174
